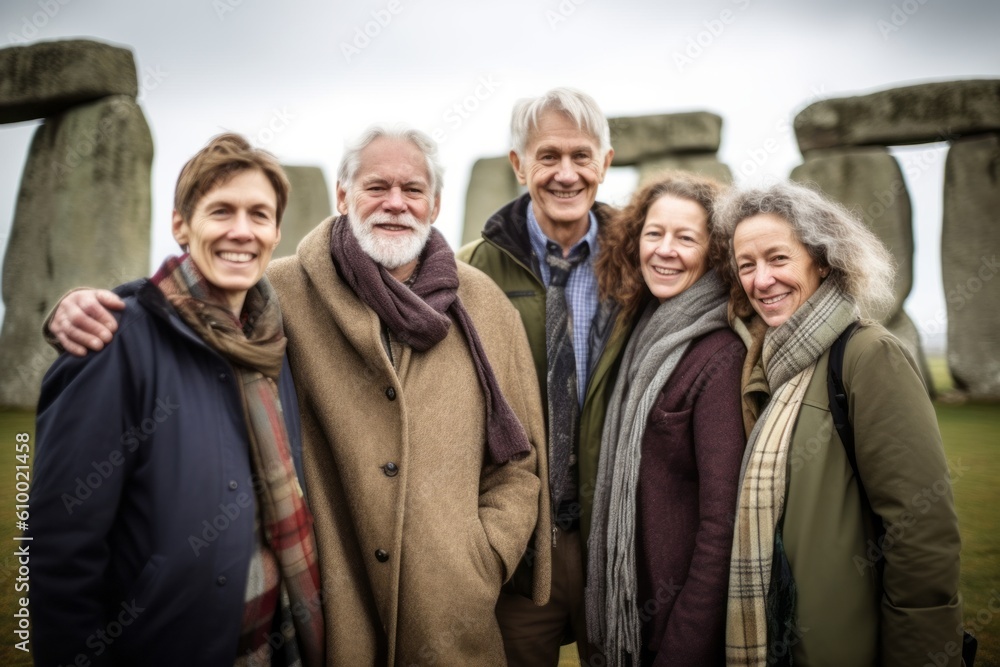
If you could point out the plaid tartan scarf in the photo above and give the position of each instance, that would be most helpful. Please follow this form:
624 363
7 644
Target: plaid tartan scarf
788 358
255 346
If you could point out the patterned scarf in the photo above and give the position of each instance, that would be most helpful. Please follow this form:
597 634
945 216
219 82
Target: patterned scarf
788 359
255 346
658 343
418 315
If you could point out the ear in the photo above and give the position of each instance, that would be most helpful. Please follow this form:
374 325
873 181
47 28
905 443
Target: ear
607 163
515 162
436 209
341 199
180 229
277 236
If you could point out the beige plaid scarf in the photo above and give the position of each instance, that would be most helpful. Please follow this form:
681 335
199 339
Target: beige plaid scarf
788 358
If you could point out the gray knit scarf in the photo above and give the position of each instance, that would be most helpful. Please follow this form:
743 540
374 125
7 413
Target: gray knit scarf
788 358
660 339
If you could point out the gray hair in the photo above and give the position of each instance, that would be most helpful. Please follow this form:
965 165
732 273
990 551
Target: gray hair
351 161
577 106
859 262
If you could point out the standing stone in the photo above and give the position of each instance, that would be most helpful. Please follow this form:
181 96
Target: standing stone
917 114
705 164
82 218
491 185
308 205
970 264
47 78
639 138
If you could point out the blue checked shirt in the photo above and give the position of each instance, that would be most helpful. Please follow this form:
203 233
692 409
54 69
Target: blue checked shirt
581 292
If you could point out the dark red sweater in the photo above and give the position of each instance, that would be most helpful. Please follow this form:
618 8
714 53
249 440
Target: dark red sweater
686 502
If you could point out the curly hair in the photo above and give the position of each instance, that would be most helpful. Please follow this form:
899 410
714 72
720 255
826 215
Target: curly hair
859 262
225 156
619 275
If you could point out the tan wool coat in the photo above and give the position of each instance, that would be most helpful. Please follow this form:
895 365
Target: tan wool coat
416 528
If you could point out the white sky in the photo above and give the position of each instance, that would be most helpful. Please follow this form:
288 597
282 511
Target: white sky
251 66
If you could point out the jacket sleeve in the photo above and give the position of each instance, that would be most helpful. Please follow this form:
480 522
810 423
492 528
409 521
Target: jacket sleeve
695 631
510 495
902 465
84 458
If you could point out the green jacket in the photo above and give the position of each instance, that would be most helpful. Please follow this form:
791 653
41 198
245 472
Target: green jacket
504 254
859 603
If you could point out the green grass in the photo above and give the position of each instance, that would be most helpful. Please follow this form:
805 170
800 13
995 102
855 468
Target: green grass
972 444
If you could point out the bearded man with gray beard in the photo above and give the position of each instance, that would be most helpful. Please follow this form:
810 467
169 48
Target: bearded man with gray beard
423 438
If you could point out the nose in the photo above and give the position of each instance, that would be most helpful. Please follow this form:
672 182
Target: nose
763 278
567 172
394 202
242 228
666 247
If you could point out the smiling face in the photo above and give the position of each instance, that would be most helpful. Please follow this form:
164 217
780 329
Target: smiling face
232 233
562 167
673 246
776 270
390 204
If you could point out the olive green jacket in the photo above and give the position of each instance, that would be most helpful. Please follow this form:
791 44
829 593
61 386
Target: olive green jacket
859 603
504 254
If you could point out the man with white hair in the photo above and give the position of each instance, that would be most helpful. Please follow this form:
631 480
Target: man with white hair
540 249
420 416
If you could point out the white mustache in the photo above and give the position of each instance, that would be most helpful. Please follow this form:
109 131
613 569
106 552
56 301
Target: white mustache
382 218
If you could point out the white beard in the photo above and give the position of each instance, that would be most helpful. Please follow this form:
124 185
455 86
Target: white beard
391 253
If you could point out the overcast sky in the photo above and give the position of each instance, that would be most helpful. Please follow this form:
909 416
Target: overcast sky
301 77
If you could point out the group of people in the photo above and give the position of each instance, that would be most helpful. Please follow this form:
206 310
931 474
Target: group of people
613 427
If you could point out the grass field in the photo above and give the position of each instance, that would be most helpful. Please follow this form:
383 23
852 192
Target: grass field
972 444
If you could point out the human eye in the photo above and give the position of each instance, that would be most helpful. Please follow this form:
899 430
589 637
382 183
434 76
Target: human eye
744 267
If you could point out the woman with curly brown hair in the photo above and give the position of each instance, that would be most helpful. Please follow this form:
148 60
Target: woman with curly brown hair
673 438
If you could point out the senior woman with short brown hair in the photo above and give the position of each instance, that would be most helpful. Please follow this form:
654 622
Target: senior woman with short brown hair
808 585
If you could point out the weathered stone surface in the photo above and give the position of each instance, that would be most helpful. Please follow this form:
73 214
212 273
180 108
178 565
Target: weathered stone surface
308 204
869 182
908 115
82 218
704 164
491 185
901 326
970 264
639 138
47 78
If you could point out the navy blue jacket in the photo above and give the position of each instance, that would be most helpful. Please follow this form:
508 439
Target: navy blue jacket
142 505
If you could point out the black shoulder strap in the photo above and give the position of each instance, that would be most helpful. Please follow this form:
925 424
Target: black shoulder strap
838 395
839 410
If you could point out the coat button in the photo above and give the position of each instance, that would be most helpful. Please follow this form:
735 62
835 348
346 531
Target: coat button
222 377
381 555
221 581
390 469
390 393
233 485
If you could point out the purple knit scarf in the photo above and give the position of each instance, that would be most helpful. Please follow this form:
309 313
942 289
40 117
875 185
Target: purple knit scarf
420 316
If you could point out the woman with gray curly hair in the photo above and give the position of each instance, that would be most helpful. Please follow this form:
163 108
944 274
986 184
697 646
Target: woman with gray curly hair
846 543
